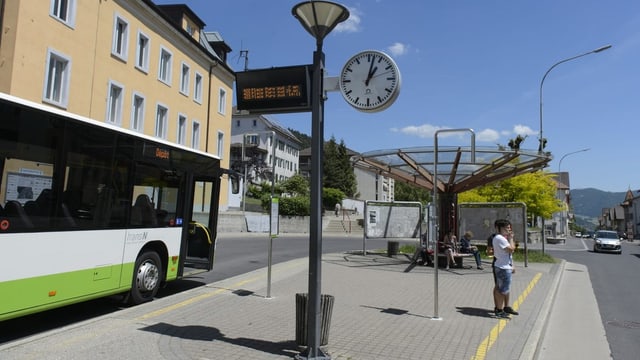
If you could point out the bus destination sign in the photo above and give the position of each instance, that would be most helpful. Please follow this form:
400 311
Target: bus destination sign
274 90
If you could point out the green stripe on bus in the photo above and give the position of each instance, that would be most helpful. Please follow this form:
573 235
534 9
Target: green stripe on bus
26 296
31 295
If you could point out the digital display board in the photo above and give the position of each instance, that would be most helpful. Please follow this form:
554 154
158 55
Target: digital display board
274 90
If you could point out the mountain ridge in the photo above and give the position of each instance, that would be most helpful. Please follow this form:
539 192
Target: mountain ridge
589 202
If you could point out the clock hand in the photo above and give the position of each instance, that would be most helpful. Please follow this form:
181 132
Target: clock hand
371 71
386 72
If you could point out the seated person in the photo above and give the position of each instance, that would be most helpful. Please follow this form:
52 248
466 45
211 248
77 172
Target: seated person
467 248
425 255
449 247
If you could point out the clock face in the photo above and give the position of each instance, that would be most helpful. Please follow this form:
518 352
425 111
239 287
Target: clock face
370 81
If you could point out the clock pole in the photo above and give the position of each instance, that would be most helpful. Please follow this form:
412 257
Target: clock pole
318 18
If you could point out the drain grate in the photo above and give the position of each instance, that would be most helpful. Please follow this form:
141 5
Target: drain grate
625 324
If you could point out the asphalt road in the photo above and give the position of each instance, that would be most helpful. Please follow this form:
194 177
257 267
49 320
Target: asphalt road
615 283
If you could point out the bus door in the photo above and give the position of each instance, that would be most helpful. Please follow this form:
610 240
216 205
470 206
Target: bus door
201 235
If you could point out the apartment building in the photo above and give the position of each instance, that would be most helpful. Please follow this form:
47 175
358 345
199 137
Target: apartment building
267 146
147 68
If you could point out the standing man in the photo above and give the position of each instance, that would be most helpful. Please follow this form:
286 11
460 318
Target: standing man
503 247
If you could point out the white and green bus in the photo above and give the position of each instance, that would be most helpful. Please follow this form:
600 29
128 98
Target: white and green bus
89 210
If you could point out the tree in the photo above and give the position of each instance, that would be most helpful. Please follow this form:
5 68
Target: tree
536 190
408 192
337 168
297 185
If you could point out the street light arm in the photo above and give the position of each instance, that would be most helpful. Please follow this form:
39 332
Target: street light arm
602 48
571 153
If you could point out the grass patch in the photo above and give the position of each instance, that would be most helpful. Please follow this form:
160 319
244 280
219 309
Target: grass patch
535 256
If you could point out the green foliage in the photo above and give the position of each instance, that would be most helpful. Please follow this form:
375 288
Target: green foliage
337 169
536 190
408 192
258 191
330 197
294 206
297 185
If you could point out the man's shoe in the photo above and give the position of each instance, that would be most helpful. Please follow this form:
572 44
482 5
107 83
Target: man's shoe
480 268
500 314
509 310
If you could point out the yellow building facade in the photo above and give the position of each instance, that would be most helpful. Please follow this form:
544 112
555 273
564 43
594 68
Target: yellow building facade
130 63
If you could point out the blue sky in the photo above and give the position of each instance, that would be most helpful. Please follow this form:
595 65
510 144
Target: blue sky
470 64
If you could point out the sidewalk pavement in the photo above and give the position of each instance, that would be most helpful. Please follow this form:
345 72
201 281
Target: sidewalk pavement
380 312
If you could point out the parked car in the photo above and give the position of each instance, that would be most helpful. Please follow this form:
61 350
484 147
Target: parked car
578 234
606 241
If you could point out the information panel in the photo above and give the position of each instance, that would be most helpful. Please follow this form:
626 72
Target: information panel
274 90
24 187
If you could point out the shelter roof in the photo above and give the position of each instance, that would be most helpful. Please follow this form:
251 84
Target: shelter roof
458 168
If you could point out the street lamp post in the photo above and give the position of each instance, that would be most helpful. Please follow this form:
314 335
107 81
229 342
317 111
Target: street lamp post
565 219
318 18
272 230
244 179
571 153
540 138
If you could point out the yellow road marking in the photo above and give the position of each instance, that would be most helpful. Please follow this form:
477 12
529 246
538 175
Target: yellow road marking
207 295
488 342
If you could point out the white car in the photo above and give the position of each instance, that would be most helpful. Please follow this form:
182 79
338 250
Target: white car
606 241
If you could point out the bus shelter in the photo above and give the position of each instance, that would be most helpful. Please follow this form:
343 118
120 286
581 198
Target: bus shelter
457 169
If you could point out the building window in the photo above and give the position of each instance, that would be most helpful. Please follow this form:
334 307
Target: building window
114 105
161 121
255 122
184 79
137 113
164 69
142 52
220 144
237 123
56 87
182 129
197 89
222 104
195 135
251 139
120 45
64 11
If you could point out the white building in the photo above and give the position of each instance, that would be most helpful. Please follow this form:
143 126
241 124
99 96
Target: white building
267 147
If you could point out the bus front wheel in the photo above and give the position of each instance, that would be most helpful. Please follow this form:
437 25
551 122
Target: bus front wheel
147 276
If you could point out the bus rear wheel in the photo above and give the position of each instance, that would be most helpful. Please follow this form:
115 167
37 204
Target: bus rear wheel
147 277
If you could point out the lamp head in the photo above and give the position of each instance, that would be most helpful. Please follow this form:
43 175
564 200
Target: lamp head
320 17
606 47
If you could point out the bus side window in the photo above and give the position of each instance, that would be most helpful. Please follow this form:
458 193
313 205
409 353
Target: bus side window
102 210
142 212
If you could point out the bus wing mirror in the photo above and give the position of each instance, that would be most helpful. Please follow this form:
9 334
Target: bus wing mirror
235 183
234 178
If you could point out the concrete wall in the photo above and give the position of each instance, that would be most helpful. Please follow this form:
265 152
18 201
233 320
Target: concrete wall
236 222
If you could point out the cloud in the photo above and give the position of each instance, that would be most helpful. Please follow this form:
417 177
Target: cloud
523 130
352 24
422 131
485 135
398 49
